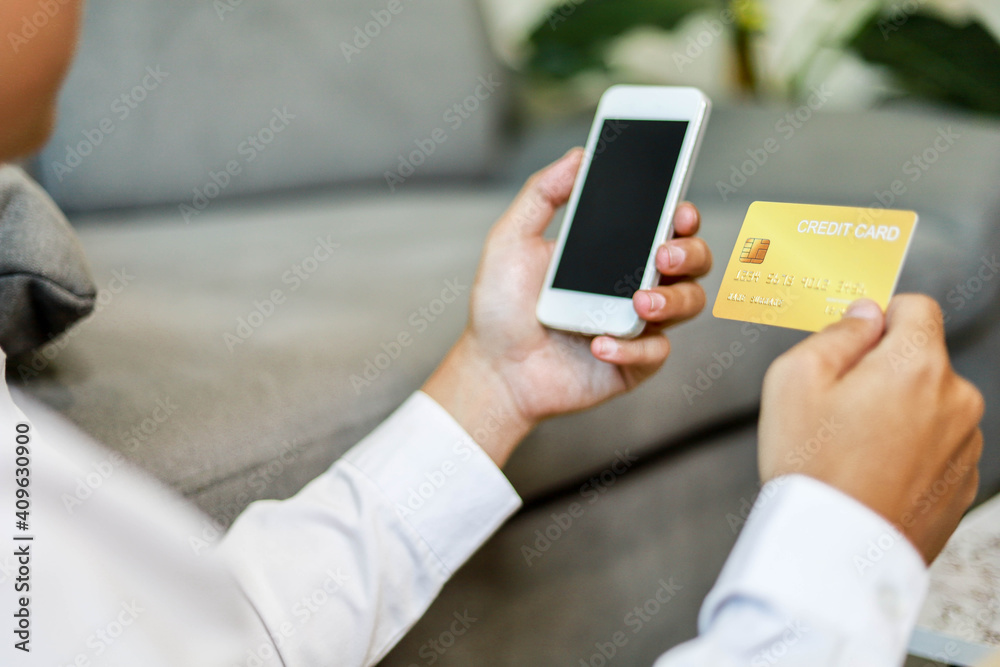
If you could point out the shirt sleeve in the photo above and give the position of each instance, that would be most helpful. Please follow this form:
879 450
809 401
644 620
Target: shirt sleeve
344 568
816 579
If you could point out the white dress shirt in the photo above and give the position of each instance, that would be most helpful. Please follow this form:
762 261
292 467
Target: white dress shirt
123 572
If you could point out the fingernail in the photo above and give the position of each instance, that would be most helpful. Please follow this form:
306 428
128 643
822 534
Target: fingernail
864 309
606 346
675 255
654 301
567 155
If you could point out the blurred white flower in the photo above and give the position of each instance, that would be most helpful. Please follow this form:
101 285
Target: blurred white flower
797 36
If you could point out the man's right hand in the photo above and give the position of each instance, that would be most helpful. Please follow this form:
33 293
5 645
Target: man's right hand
872 406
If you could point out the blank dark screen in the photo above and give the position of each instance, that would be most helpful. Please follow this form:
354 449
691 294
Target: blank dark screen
620 207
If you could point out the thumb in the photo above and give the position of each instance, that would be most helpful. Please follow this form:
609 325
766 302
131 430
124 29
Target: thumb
843 344
544 193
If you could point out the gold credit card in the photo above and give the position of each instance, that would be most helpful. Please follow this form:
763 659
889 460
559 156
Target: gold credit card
800 266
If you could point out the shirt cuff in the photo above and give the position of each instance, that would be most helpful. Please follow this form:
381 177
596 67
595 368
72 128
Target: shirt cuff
437 478
813 554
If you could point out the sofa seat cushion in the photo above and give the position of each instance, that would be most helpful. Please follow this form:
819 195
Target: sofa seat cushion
237 358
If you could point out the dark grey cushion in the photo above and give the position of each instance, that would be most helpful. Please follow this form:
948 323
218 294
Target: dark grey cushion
45 284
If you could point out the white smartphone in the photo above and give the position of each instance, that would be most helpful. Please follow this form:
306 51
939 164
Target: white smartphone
635 172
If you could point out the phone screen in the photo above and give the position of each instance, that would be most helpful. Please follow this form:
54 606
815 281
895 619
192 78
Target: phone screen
620 206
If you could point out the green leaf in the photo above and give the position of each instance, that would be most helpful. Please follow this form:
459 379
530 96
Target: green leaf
932 58
574 36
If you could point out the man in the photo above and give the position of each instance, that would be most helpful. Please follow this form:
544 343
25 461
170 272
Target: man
337 574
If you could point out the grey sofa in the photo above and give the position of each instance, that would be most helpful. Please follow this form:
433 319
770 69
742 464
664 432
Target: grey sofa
243 339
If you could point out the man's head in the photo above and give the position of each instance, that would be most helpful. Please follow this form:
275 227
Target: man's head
39 38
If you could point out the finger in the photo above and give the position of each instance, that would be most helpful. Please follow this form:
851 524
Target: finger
684 257
912 319
972 489
973 452
680 301
957 500
544 193
966 463
914 338
838 348
648 350
968 404
687 220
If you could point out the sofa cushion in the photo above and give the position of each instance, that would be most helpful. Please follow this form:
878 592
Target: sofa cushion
248 352
45 282
186 101
244 355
